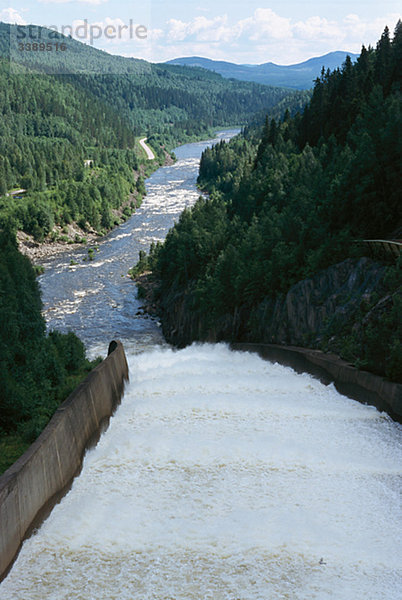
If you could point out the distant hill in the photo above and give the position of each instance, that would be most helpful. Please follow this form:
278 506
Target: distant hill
170 102
299 76
64 107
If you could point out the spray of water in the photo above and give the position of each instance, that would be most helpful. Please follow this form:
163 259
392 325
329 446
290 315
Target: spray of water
223 476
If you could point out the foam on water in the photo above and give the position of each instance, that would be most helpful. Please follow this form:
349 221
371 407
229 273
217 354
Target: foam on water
223 476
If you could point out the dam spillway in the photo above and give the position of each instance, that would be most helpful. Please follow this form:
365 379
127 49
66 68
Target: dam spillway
224 476
221 476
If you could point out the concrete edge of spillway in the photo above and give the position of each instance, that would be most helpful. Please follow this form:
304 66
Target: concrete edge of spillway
359 385
43 474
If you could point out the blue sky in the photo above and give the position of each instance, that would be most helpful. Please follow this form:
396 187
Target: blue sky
255 31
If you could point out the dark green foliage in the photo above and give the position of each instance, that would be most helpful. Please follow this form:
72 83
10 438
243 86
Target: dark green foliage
48 129
37 371
51 123
289 199
379 348
142 265
172 103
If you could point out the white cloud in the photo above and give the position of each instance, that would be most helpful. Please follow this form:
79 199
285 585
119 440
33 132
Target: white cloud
317 28
358 30
213 30
10 15
265 23
201 29
177 30
155 34
266 36
109 31
93 2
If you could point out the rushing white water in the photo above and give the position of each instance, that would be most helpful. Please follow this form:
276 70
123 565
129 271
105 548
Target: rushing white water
223 476
95 298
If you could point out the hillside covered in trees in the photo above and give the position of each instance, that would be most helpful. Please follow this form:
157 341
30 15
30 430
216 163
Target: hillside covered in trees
58 111
168 101
37 371
47 131
285 204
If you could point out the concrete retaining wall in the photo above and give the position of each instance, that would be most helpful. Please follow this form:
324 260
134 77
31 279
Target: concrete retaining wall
359 385
37 480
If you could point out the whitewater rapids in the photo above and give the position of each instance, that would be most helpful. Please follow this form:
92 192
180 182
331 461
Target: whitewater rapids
225 477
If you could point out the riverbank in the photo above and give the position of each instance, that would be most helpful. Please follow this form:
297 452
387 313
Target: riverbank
72 236
36 251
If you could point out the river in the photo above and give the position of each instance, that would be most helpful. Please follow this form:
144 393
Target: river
96 299
221 476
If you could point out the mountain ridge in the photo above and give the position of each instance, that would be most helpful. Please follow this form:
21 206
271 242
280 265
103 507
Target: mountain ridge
296 76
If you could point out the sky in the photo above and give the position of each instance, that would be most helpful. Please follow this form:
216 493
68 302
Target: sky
240 31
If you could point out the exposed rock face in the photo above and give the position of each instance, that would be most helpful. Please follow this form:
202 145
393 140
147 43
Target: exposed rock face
314 306
180 325
328 301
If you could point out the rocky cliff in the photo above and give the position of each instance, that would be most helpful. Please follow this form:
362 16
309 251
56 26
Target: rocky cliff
316 310
334 310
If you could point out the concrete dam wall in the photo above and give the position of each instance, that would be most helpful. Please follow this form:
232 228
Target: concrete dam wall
350 381
37 480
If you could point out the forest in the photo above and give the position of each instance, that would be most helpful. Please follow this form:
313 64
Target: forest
288 200
48 129
95 109
37 371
